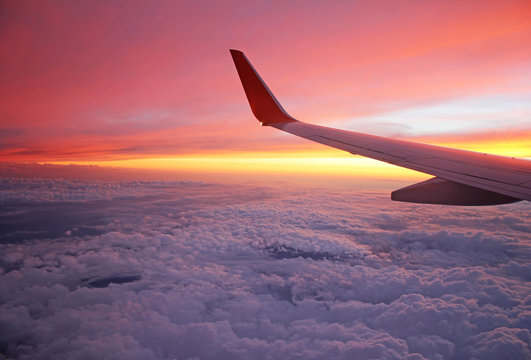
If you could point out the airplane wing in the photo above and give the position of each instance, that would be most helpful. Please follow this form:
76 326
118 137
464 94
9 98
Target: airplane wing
461 177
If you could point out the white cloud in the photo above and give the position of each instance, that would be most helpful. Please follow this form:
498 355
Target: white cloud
155 270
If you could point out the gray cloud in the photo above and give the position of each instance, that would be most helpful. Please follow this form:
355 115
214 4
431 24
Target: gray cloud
183 270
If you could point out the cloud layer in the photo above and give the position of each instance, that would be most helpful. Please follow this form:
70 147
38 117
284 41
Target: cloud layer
115 81
184 270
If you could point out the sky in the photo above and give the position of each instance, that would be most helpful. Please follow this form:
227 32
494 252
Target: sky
152 85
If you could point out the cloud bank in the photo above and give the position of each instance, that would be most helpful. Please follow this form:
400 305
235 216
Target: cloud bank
185 270
133 80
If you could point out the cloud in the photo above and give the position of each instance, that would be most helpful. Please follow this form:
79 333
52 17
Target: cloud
135 80
500 343
206 271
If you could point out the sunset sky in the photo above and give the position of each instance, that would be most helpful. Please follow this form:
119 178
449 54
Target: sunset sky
152 85
145 214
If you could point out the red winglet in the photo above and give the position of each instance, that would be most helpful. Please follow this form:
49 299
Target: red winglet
263 103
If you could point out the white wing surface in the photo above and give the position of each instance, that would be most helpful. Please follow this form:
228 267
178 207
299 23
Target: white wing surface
461 177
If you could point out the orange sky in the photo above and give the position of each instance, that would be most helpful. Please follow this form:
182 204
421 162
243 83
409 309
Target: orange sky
151 84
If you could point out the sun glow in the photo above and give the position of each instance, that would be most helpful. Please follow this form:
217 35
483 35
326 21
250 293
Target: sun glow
314 162
322 163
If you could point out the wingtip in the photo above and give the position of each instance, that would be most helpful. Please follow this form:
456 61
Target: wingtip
264 105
